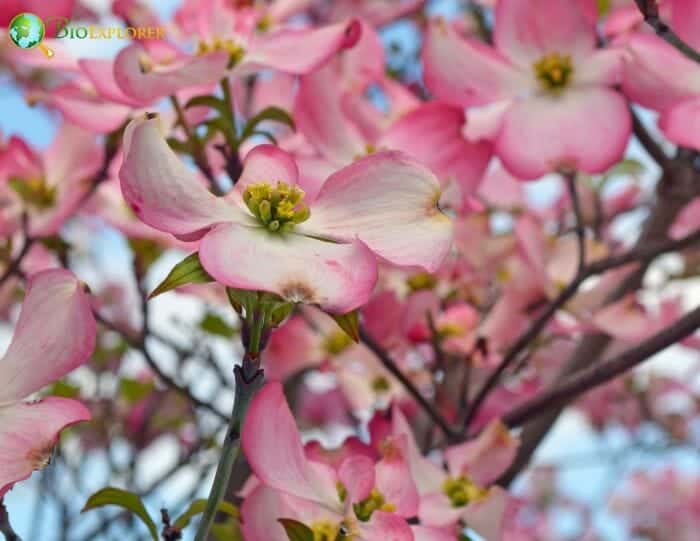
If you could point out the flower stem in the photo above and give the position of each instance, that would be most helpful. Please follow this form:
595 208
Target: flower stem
248 379
198 154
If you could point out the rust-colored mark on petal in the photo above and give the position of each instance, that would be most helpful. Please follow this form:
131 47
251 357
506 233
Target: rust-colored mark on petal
145 63
41 457
296 291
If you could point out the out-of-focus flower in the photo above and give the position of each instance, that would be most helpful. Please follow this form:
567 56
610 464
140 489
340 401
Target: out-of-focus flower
658 76
226 40
55 334
543 75
366 501
48 188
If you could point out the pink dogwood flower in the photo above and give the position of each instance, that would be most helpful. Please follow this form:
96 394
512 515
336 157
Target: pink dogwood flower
430 132
462 492
659 77
48 188
542 94
227 40
266 236
363 499
55 334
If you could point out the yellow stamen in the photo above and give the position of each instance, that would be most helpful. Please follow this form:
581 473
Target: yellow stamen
554 71
462 490
336 342
235 50
278 208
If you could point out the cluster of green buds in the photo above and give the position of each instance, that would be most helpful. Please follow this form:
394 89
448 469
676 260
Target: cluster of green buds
278 208
421 280
462 490
374 502
554 71
326 531
235 50
334 343
34 191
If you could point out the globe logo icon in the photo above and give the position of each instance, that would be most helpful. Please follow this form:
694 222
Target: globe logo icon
26 30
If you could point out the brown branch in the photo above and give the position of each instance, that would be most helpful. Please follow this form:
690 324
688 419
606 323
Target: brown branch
677 186
5 527
391 366
580 226
111 148
641 254
139 344
198 153
651 146
480 17
567 391
13 267
650 12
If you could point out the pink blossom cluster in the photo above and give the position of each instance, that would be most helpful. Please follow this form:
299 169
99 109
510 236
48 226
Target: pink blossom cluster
399 319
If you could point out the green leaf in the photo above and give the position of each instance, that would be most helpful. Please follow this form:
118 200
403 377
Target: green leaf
266 134
187 271
210 101
64 389
275 114
280 313
126 500
197 507
296 531
181 147
242 298
603 7
146 252
627 166
215 324
57 245
224 126
34 191
134 390
349 323
229 530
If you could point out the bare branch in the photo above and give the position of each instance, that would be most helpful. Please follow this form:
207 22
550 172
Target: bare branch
570 389
580 226
391 366
5 527
650 11
642 254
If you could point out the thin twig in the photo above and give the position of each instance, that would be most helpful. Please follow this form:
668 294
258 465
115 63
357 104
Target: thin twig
391 366
580 226
642 254
198 154
5 527
650 12
139 344
13 267
652 147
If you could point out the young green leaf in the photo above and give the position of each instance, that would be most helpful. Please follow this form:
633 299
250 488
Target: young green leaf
187 271
210 101
126 500
134 390
197 507
296 531
216 325
350 323
275 114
